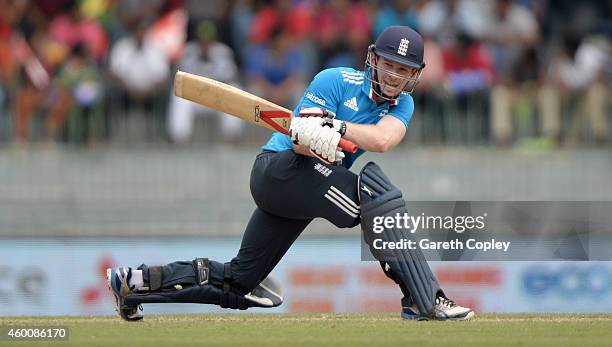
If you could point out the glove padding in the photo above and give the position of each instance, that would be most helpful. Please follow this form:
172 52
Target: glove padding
317 134
329 117
324 143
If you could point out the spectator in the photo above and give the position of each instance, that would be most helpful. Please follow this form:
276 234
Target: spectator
468 71
8 66
293 19
72 28
129 14
395 12
430 97
577 78
343 30
511 38
275 70
449 18
140 70
210 58
241 20
468 66
79 88
36 61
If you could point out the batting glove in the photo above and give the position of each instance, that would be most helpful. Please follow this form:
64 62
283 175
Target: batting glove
303 128
315 133
324 143
329 116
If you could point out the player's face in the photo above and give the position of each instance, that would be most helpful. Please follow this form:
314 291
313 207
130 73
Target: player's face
393 76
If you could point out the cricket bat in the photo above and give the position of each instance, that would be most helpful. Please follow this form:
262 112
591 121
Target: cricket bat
236 102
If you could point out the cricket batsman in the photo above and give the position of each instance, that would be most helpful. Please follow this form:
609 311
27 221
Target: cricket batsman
306 175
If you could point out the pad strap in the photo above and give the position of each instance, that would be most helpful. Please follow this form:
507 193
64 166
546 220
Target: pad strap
202 270
155 278
227 277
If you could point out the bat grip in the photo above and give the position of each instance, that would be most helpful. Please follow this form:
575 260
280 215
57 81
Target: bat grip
347 146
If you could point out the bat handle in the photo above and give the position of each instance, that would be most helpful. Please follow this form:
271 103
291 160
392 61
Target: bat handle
347 146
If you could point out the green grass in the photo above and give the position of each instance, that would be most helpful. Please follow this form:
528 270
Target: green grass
363 329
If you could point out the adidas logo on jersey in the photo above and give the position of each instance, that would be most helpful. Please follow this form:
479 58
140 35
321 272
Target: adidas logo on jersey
352 104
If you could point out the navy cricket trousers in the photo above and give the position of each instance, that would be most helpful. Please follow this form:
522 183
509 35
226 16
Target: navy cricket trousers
290 190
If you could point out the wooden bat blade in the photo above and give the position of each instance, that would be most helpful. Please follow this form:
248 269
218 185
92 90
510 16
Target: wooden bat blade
237 102
229 99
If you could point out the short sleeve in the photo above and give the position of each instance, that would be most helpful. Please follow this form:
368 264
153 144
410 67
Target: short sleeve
403 110
324 92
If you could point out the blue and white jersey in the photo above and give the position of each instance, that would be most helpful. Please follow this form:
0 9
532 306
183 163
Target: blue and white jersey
348 93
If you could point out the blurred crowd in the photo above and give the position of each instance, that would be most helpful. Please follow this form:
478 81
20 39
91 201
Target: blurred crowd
498 72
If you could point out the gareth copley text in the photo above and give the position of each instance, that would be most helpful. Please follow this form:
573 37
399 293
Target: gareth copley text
426 244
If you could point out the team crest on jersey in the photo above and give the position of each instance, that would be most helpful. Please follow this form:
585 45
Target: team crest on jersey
352 104
402 49
322 169
383 112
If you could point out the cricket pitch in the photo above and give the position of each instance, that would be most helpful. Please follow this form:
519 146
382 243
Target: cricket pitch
327 329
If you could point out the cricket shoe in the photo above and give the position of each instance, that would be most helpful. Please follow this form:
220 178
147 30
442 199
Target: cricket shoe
268 293
118 283
445 309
